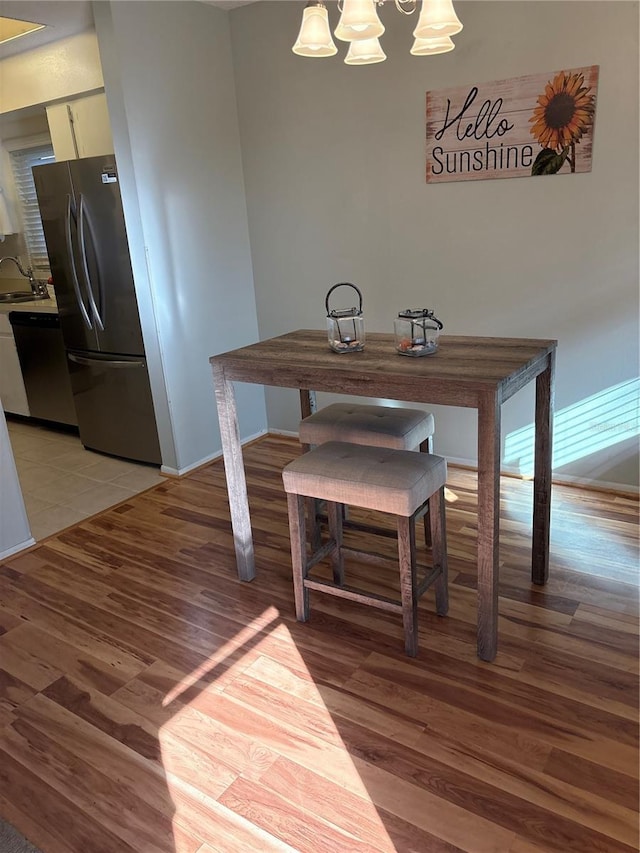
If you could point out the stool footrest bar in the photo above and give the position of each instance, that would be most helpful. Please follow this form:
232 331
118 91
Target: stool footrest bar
319 555
426 582
363 527
379 601
369 556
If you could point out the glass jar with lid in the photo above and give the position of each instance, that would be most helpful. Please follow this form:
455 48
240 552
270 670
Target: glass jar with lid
345 326
416 332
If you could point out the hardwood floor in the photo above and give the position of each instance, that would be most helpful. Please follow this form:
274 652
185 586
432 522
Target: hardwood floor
151 702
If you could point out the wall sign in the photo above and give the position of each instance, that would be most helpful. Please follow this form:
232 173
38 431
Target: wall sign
541 124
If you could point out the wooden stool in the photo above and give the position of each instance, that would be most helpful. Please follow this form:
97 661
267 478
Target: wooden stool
399 482
378 426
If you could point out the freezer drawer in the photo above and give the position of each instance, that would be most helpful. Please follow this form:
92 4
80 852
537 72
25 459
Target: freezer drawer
113 401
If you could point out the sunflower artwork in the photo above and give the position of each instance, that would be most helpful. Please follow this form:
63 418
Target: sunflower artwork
563 115
519 127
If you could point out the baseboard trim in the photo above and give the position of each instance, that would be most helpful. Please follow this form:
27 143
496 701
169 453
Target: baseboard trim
459 462
596 485
286 433
14 550
621 489
181 472
557 479
206 460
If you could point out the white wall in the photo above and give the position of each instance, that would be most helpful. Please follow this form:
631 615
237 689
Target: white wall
58 70
14 527
110 61
334 170
169 84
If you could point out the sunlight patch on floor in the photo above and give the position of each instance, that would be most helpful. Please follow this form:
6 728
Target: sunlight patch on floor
264 728
246 634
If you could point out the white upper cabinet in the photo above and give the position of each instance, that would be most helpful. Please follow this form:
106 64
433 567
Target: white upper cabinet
80 127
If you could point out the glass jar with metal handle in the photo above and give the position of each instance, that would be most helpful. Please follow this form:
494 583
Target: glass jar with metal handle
345 327
416 332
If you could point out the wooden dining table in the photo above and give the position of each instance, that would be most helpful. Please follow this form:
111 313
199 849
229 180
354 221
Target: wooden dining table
469 372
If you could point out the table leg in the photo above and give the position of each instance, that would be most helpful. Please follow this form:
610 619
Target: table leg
542 473
488 523
234 471
308 406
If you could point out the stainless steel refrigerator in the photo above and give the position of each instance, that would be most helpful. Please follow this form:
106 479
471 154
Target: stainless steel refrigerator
84 228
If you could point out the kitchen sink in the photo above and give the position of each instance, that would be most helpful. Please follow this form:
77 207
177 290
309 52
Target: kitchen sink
17 296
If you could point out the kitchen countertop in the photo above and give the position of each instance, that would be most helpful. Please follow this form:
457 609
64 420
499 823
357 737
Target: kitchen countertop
44 306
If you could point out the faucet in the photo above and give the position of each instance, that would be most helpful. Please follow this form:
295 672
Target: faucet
38 288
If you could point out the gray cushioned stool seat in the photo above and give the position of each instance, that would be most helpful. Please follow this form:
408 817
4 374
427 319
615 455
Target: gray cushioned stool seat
382 426
393 481
401 482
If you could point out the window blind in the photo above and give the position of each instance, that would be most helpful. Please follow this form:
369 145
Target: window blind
22 162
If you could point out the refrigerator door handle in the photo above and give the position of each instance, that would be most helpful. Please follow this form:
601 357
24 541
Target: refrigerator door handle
91 361
85 267
74 274
92 237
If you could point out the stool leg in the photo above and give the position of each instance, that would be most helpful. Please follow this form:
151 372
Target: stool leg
439 537
308 406
334 512
297 534
313 504
407 562
427 447
313 523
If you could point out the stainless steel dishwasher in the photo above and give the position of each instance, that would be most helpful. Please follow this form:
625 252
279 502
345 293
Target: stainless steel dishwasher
43 361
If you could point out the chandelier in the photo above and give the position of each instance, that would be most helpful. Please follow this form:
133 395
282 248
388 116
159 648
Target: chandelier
360 25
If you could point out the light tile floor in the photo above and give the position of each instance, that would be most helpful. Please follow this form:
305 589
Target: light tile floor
62 483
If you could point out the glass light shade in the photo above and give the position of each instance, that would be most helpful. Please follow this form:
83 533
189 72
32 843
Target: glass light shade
359 20
429 47
314 38
365 52
437 19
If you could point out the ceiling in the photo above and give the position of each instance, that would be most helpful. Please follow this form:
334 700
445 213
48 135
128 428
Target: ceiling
228 4
62 18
